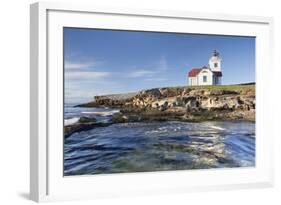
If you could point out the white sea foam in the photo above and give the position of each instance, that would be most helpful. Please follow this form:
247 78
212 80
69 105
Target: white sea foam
101 113
216 127
115 111
71 121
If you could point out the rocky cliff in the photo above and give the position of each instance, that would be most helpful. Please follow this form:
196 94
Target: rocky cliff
114 100
183 103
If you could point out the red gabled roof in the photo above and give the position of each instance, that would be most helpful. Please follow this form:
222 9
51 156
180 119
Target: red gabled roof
194 72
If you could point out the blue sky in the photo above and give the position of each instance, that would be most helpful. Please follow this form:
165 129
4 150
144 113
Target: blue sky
99 62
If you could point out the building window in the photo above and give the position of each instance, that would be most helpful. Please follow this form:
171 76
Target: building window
215 65
204 79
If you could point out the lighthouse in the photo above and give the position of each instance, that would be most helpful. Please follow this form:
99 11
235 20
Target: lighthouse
215 62
207 75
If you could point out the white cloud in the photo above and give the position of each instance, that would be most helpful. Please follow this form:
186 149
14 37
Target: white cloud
162 64
157 68
72 65
86 75
155 79
142 73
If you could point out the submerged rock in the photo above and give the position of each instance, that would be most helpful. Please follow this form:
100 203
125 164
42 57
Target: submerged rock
86 119
83 124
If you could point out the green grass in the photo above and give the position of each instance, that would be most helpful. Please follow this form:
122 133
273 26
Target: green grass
223 87
217 87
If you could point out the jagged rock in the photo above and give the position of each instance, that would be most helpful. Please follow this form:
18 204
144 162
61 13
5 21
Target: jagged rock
115 100
197 92
186 91
155 93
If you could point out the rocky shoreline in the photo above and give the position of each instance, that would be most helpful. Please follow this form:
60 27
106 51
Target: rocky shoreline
192 104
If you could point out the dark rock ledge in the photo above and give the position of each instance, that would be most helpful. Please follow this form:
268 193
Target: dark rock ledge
83 124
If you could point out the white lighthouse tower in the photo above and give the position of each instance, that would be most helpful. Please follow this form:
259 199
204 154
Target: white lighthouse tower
215 62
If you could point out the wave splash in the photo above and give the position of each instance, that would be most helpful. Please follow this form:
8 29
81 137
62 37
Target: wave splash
71 121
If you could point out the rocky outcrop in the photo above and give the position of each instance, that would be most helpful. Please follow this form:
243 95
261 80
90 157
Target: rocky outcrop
114 101
83 124
184 103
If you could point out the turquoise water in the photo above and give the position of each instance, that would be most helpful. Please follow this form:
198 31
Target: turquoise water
158 146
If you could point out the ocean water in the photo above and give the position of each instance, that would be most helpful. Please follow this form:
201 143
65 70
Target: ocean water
157 146
72 113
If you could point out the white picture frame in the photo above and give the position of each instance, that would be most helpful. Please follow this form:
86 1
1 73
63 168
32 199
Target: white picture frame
46 177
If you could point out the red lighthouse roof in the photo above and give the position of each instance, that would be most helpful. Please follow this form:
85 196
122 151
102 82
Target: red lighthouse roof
194 72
